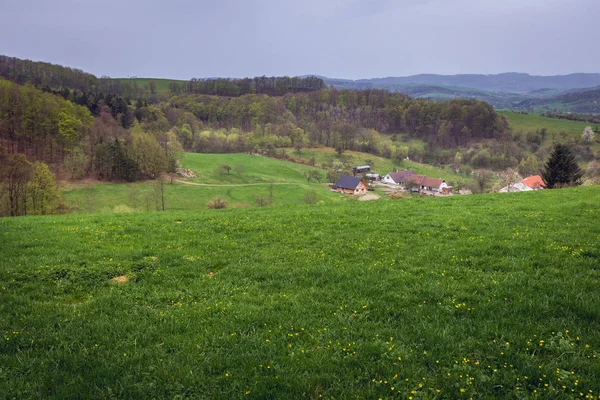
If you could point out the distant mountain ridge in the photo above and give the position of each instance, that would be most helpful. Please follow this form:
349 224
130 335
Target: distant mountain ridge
510 82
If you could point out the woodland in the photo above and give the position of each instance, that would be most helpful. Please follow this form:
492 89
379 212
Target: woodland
112 130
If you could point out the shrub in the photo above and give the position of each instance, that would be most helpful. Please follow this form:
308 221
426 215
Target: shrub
216 203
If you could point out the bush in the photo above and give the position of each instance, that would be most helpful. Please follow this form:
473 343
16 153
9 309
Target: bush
310 197
216 203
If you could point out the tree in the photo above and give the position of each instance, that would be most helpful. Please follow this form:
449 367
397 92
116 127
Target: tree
332 176
175 152
15 173
158 191
588 135
508 177
313 174
561 169
529 166
224 169
76 163
482 180
458 160
43 193
149 154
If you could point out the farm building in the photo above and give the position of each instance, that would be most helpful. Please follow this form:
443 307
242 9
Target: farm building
435 185
351 185
535 182
515 187
398 178
361 169
373 177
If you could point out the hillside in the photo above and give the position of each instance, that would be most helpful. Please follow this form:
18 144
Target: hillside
507 82
492 296
250 178
510 91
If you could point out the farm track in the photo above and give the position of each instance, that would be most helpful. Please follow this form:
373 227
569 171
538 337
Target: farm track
236 185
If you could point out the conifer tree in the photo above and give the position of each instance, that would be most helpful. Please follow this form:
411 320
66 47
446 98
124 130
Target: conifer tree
561 169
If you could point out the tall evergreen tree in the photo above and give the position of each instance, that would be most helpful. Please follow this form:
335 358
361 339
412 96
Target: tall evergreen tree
561 169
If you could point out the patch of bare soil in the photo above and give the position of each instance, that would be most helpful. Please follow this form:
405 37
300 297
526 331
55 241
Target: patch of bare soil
120 279
369 196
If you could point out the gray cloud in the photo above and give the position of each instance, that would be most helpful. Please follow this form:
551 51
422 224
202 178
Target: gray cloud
342 38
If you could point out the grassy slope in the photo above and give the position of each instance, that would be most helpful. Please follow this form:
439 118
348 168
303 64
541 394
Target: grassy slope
532 122
484 296
256 169
259 171
380 165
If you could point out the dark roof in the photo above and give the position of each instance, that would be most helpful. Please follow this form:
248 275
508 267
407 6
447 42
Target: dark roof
348 182
401 176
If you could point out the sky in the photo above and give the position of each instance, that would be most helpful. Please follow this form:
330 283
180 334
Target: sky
353 39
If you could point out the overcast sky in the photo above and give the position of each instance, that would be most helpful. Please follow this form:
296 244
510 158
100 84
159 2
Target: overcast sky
336 38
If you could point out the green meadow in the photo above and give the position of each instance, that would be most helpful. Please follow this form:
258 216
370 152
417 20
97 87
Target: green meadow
490 296
532 122
249 178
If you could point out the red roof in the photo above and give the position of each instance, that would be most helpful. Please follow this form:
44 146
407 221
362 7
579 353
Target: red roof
432 182
534 182
416 179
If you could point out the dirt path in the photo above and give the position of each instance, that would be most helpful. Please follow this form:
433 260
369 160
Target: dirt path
368 197
236 185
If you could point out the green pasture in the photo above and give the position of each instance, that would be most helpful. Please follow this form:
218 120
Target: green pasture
245 169
250 178
490 296
532 122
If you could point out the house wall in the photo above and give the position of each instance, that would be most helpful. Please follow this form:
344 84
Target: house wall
388 179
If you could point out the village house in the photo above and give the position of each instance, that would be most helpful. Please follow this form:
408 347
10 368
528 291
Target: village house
515 187
351 185
535 182
434 185
416 182
398 178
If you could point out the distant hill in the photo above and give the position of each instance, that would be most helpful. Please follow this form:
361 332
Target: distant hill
513 91
510 82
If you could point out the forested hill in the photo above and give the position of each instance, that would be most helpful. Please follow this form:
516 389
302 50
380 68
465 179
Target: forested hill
507 82
62 80
58 116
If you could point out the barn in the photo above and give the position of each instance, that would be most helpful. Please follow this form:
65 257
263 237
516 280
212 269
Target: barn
351 185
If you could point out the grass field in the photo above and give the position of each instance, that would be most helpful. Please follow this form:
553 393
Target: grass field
255 169
239 188
532 122
380 165
492 296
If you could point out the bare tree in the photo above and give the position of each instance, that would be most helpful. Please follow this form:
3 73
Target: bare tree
158 190
482 180
508 177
